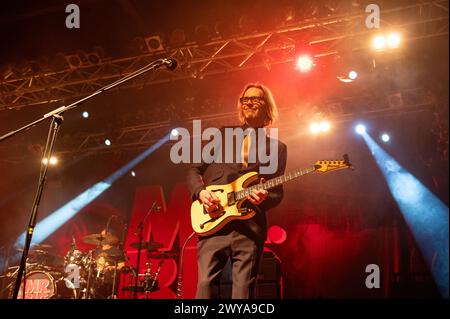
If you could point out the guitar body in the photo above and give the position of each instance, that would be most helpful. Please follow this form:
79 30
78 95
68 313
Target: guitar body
205 224
230 208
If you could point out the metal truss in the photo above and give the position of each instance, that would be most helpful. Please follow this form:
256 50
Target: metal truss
329 36
140 137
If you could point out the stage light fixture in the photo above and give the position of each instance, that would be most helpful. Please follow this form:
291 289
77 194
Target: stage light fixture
379 42
107 142
321 126
304 63
53 160
352 75
385 137
324 126
174 132
133 173
155 42
85 114
314 128
393 40
360 129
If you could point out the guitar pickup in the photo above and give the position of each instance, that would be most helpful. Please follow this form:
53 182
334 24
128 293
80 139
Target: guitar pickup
231 198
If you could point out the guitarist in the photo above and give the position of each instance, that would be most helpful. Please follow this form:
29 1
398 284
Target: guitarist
240 240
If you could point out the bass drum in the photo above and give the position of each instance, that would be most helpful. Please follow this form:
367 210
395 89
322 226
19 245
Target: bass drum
47 285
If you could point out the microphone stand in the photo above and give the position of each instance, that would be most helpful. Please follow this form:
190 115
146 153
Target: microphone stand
140 230
56 120
116 261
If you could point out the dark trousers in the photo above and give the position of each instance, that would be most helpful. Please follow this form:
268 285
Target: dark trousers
213 253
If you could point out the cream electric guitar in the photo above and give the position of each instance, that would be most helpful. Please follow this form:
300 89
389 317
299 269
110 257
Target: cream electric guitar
233 195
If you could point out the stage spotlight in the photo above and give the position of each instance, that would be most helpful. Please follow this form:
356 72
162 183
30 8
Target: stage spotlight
385 137
155 42
352 75
56 219
53 160
393 40
360 129
314 128
85 114
107 142
378 43
304 63
324 126
174 132
425 214
133 173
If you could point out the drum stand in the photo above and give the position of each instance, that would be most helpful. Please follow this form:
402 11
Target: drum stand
113 289
88 283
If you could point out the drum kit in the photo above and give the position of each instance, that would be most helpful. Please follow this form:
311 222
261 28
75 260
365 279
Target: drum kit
93 274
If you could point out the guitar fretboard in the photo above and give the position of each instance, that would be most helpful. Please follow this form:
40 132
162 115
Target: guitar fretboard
274 182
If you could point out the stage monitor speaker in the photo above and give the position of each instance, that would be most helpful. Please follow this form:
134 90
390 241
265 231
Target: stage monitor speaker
269 285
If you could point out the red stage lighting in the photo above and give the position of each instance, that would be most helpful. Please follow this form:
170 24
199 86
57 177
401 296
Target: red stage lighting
304 63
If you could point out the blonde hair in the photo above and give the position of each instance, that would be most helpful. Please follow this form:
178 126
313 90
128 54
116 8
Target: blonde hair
270 107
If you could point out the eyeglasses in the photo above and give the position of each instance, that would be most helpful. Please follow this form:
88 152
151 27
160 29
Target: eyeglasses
252 99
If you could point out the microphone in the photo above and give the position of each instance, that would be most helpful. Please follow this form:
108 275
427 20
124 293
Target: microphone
170 63
74 244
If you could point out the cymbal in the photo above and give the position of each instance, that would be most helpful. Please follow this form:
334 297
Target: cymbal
147 245
40 246
100 239
110 252
162 254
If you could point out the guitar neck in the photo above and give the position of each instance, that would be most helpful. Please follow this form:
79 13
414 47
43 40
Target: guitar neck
274 182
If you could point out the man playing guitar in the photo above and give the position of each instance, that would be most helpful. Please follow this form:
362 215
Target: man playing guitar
241 241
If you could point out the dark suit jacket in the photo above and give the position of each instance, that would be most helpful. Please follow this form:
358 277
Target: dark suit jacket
201 175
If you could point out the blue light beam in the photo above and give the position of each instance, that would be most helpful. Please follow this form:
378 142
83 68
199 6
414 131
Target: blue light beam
425 214
56 219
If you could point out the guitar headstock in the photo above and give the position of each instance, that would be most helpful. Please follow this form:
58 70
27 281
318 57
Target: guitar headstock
328 165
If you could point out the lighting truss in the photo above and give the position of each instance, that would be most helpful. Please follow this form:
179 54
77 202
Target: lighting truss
218 56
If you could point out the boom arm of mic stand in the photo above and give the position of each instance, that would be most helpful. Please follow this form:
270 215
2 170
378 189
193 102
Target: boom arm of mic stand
151 66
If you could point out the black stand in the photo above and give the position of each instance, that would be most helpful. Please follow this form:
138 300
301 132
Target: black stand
116 261
51 138
138 261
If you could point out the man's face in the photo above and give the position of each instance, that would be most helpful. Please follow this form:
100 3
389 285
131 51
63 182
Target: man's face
252 103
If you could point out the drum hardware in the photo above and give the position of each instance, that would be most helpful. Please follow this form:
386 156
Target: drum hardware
149 282
101 239
149 279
